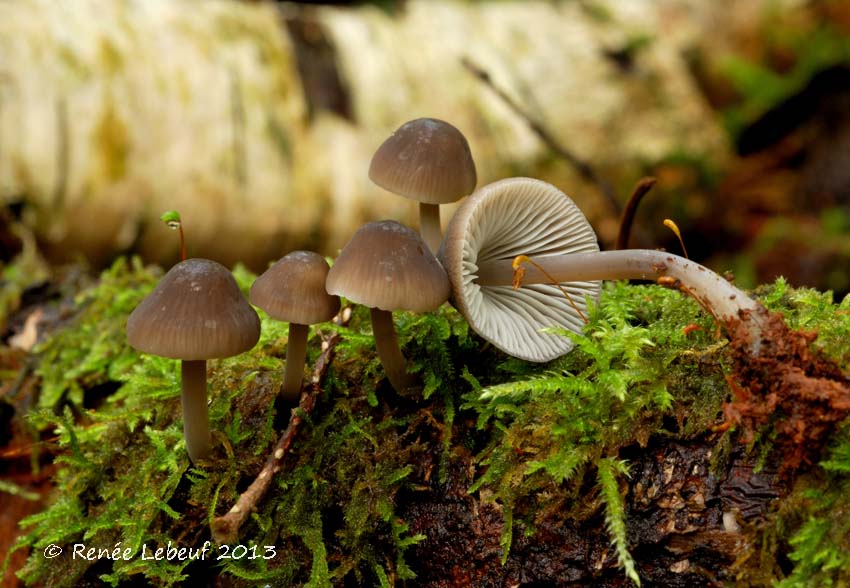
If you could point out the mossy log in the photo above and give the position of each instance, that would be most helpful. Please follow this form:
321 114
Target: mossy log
623 460
258 120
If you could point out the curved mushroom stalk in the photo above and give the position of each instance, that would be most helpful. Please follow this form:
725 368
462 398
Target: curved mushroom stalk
723 300
429 225
526 217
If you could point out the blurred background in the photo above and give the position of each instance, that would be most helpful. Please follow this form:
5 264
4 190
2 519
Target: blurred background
257 121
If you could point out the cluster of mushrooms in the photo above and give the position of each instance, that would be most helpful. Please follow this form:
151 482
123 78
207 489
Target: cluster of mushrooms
197 311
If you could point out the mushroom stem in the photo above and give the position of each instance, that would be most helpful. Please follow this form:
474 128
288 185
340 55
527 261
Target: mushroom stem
296 353
388 349
196 422
726 302
429 225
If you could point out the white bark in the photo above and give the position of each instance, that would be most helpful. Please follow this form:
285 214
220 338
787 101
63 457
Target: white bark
198 106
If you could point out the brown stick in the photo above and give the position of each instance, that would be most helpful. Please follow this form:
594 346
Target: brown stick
584 168
225 529
643 186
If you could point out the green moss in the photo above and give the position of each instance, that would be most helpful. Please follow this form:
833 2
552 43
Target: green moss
811 310
333 514
92 350
813 524
612 391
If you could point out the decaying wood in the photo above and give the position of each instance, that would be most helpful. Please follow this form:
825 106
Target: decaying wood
687 525
208 108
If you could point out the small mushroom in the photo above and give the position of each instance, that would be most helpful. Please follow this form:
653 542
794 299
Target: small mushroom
387 266
427 160
523 216
195 313
293 290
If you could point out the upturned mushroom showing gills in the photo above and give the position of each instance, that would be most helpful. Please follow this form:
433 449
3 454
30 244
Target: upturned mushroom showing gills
427 160
195 313
523 216
387 266
293 290
498 222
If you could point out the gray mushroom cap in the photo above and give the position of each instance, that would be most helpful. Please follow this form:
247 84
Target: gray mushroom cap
293 289
387 265
195 312
425 159
518 216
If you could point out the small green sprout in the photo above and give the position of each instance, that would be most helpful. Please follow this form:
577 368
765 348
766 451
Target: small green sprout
172 219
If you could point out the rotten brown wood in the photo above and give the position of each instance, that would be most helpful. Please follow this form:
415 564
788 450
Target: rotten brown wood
687 525
25 461
791 384
225 528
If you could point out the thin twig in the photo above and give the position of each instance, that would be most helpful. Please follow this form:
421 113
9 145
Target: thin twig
225 529
643 186
584 168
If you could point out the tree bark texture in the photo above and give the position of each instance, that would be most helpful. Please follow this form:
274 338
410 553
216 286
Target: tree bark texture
261 118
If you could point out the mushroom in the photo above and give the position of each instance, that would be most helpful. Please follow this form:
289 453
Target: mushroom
293 290
498 222
523 216
387 266
427 160
195 313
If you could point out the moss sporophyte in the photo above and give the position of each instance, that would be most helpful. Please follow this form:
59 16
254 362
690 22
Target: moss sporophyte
172 219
